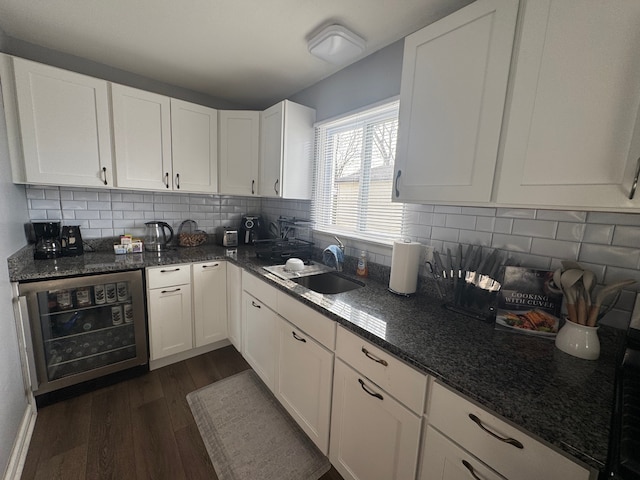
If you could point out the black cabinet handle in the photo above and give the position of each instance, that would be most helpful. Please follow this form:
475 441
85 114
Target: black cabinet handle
253 184
104 172
211 266
178 181
275 186
373 394
300 339
255 304
166 271
635 180
170 291
469 467
166 179
396 185
374 358
510 441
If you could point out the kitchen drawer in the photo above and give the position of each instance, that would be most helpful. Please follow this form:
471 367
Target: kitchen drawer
405 383
261 290
444 460
166 276
308 320
504 448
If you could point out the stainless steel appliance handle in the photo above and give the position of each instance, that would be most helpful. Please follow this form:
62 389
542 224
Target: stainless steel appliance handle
104 172
374 358
31 377
632 193
373 394
510 441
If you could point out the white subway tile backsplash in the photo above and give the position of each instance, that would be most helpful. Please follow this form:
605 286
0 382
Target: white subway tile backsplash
125 206
570 231
479 211
132 197
626 236
561 216
503 225
439 220
515 213
485 224
73 204
472 237
99 205
34 193
467 222
596 233
614 218
54 215
90 195
534 228
555 248
44 204
512 243
445 234
447 209
52 194
87 215
610 255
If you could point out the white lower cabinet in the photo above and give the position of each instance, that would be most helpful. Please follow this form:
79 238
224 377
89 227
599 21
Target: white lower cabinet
303 382
373 436
444 460
187 311
170 323
209 302
234 305
504 448
260 338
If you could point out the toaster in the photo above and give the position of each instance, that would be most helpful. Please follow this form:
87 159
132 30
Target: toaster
227 236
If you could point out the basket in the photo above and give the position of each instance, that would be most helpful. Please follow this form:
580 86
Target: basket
189 235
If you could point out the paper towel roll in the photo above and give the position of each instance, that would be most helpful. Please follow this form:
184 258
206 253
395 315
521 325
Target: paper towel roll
405 261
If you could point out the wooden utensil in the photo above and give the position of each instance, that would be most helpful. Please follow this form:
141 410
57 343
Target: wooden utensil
605 292
568 279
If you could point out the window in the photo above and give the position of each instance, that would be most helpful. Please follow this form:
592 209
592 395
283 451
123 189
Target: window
354 174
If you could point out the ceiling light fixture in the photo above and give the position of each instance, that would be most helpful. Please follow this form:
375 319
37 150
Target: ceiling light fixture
335 44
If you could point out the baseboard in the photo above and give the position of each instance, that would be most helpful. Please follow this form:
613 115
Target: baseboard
21 444
194 352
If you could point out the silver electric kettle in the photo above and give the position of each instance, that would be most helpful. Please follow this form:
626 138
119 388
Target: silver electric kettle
155 240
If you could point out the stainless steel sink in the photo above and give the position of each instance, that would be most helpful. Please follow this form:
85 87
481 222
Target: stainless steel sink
328 283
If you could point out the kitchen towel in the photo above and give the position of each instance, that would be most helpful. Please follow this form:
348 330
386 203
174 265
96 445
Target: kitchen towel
405 261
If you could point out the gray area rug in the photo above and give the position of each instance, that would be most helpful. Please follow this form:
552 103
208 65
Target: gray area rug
250 436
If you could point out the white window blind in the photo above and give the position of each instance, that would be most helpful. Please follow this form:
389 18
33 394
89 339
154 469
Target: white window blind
354 174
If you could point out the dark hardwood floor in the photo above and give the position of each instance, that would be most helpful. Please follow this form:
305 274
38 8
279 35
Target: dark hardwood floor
137 429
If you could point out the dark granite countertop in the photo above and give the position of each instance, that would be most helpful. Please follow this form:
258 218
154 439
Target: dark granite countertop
564 401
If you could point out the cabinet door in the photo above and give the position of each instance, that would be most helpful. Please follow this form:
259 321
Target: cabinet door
570 135
142 137
373 437
238 151
64 121
271 151
194 145
209 302
234 305
304 377
454 82
170 324
444 460
260 338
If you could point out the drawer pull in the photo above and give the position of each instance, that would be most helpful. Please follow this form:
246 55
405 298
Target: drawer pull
632 193
374 358
300 339
373 394
167 271
510 441
104 172
255 304
469 467
170 291
211 266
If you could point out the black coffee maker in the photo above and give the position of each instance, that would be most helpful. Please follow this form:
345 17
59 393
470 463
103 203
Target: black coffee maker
251 229
71 241
47 240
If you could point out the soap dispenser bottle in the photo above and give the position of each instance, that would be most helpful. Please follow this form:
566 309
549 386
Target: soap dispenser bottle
363 269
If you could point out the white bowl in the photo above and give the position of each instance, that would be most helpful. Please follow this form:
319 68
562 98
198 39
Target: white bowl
294 265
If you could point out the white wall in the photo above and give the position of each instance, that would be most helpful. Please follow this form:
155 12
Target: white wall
13 214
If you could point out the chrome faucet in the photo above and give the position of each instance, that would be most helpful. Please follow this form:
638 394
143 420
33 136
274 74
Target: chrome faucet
333 255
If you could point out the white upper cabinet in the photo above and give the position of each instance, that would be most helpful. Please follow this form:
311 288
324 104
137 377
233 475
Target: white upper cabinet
572 134
238 142
286 151
454 82
142 138
194 143
64 125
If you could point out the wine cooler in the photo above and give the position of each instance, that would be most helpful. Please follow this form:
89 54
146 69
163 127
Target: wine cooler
85 327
